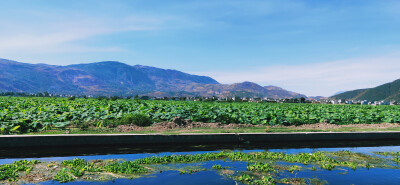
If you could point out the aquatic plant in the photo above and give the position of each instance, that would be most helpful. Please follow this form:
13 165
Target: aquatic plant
77 172
125 167
395 155
217 166
314 168
10 171
82 165
247 179
63 176
294 168
74 162
261 167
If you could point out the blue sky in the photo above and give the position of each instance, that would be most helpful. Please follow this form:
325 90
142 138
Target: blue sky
312 47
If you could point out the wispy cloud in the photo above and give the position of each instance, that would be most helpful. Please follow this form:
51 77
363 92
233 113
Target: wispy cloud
68 34
320 78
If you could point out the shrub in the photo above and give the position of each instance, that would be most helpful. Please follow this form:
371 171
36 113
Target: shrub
102 98
114 98
136 119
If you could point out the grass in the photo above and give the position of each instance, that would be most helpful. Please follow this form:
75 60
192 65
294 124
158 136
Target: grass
210 130
88 131
344 129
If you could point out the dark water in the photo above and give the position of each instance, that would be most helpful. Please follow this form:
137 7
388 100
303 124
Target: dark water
340 175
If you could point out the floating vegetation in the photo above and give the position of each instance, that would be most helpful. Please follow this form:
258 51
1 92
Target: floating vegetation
63 176
10 172
294 168
260 167
217 167
127 167
395 155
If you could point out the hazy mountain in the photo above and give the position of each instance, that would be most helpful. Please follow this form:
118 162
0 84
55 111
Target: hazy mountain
389 91
115 78
273 90
318 97
244 89
339 92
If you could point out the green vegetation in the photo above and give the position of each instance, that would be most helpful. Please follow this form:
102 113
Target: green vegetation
395 155
135 118
178 131
245 178
125 167
63 176
389 91
11 171
23 115
78 165
217 166
262 167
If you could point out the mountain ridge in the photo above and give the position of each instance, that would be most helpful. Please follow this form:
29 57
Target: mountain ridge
117 78
385 92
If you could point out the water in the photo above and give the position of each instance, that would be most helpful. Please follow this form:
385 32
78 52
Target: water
339 175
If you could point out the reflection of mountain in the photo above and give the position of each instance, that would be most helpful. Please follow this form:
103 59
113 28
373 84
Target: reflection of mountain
115 78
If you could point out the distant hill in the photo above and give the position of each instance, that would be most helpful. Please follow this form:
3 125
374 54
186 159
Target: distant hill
244 89
389 91
340 92
116 78
273 90
318 97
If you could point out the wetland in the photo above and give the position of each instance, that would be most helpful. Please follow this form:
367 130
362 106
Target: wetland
207 165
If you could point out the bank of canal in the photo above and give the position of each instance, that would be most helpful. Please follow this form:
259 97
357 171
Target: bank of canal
151 139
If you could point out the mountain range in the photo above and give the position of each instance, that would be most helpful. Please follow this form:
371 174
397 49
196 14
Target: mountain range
387 92
116 78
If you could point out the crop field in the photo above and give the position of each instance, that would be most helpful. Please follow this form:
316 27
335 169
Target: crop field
22 115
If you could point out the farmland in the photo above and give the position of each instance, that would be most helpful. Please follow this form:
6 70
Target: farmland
22 115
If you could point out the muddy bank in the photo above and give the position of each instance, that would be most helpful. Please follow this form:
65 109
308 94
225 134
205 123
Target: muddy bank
186 125
324 126
183 125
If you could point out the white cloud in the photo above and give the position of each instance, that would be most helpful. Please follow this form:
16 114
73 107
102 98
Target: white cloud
67 34
321 78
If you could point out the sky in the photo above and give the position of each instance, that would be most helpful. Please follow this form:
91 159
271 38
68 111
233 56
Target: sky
311 47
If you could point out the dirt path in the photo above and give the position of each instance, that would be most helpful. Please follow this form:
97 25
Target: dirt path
180 123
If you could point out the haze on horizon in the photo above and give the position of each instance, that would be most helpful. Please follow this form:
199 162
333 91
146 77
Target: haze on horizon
306 46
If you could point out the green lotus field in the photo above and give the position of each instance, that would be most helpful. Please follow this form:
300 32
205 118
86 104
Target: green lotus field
27 114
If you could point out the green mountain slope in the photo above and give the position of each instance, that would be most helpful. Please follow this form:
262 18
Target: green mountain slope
389 91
